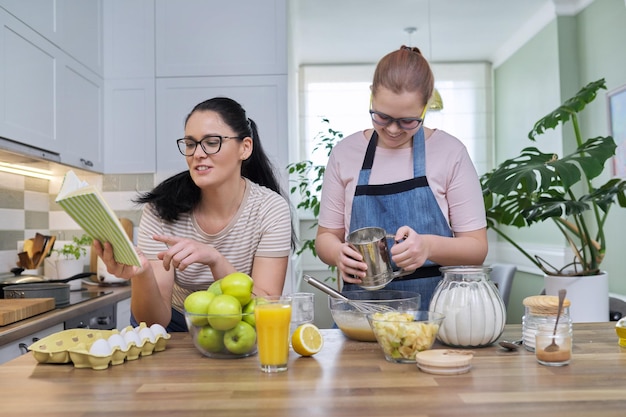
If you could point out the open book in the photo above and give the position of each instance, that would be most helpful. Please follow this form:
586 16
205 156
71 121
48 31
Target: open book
85 204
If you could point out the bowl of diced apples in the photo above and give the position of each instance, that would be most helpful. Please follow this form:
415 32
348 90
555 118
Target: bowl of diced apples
401 335
352 321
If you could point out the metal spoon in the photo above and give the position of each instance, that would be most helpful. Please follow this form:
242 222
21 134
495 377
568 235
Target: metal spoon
553 347
514 345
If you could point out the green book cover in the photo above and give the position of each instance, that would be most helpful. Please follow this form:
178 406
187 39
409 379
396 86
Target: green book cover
85 204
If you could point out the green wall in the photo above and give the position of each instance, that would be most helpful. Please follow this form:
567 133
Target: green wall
566 55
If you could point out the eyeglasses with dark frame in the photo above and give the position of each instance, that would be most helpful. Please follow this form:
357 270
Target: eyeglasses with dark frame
210 144
405 123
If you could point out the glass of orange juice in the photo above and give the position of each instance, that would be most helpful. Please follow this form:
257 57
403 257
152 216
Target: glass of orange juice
273 316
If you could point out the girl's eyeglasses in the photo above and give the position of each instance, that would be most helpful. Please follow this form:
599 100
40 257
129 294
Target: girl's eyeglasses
406 123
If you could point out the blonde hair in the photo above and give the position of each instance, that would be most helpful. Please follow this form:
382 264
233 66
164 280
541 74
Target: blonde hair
402 70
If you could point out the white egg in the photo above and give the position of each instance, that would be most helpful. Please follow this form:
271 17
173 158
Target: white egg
146 333
157 329
126 330
115 340
131 337
100 348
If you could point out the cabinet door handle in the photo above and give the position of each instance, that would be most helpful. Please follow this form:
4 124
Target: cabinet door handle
23 348
86 162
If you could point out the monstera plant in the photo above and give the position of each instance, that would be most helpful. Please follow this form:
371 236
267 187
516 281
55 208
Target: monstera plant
535 187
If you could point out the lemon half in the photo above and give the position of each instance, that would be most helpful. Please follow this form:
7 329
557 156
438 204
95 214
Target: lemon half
620 329
307 340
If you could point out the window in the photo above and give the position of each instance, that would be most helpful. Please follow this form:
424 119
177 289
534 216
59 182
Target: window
337 93
340 93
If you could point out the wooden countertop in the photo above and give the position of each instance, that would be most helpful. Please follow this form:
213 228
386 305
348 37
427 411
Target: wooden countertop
346 378
22 328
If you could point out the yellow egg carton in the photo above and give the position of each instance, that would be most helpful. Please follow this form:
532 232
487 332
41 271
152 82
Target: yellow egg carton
97 349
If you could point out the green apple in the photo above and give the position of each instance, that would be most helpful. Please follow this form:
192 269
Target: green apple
210 339
248 313
239 285
224 312
215 288
198 303
240 339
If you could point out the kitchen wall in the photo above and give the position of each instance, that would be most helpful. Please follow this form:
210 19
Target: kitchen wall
566 55
27 206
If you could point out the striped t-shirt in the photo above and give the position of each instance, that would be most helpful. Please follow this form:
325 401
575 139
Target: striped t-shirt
261 227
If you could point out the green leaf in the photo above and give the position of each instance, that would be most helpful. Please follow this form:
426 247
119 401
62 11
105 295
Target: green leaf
563 113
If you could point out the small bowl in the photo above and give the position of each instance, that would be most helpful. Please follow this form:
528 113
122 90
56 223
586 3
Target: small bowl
353 323
235 342
402 335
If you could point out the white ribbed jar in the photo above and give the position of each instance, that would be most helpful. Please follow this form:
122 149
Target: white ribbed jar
540 314
474 311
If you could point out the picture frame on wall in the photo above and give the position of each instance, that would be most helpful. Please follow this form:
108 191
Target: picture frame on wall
616 100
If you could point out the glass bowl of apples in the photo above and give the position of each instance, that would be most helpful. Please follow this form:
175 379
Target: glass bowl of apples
220 325
401 335
223 336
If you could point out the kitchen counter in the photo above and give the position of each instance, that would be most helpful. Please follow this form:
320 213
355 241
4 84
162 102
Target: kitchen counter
346 378
22 328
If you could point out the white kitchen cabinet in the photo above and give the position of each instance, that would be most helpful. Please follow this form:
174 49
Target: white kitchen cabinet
48 100
27 85
263 97
128 39
129 129
79 111
215 37
129 93
75 26
18 347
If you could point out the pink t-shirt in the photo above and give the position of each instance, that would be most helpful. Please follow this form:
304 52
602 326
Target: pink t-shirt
449 170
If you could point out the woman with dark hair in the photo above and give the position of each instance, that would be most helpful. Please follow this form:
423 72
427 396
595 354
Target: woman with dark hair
227 213
417 183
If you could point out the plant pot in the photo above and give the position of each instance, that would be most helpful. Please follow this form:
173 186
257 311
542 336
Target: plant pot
69 268
589 295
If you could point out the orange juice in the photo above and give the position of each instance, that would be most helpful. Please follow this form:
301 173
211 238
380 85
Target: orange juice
272 326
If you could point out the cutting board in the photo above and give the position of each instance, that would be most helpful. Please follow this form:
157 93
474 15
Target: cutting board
12 310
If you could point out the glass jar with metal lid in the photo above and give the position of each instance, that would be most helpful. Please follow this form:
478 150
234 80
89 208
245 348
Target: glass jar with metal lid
540 314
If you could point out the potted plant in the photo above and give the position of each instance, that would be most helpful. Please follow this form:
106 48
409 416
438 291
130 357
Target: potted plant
76 248
68 262
307 179
536 186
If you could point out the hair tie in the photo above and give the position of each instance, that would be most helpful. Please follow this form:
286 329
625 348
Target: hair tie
411 49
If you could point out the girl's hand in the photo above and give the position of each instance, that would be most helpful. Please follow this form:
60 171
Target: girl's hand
105 252
183 252
350 263
410 250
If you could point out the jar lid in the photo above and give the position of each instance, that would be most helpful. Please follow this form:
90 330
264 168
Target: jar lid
544 304
444 361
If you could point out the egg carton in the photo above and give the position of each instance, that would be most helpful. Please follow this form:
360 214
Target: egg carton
97 349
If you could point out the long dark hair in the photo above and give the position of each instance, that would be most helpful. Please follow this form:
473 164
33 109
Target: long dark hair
179 194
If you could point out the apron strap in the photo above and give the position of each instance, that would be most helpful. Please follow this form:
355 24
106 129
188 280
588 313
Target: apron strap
368 161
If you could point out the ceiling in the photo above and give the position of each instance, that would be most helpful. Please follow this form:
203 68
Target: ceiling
362 31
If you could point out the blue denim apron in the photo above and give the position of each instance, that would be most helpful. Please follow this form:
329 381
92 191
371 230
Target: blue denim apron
410 202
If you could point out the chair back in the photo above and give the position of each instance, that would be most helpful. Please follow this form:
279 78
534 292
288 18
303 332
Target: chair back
502 275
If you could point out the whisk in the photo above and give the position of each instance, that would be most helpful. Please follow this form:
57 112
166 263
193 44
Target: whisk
365 307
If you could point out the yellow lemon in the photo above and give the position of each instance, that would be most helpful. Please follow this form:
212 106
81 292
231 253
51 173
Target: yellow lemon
620 329
307 340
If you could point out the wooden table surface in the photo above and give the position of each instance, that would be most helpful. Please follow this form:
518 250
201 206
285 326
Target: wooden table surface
345 379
